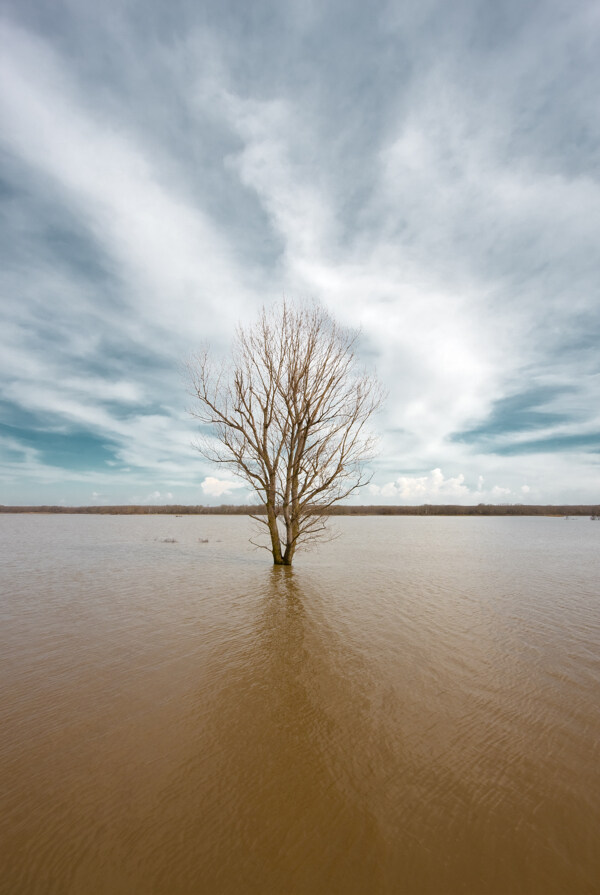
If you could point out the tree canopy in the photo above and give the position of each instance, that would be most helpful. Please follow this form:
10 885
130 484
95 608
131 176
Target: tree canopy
288 413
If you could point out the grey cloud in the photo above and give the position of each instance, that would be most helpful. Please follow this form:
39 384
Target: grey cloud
429 170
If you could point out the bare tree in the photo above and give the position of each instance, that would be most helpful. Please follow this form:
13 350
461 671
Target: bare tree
289 416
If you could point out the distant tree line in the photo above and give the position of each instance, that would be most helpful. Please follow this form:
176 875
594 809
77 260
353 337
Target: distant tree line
482 509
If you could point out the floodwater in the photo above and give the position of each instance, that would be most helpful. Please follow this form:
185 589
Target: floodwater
414 708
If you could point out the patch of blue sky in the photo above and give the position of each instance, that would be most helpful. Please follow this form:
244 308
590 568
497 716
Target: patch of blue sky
524 412
71 450
428 171
14 415
555 444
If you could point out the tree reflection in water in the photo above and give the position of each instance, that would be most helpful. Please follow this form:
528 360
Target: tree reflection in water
266 798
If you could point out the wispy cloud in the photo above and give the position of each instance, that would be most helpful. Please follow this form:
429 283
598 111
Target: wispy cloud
404 167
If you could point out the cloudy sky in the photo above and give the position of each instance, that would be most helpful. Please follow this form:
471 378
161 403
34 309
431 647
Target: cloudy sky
428 170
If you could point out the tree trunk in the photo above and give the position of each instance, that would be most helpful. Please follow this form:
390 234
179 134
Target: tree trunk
273 527
289 418
275 540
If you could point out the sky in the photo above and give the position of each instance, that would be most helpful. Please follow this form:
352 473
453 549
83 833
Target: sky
428 171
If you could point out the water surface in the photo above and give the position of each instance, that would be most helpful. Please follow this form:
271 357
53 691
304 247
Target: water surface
413 708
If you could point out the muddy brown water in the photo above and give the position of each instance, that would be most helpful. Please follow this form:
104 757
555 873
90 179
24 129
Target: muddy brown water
414 708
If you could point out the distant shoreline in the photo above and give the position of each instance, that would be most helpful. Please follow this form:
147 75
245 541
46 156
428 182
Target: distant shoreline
376 510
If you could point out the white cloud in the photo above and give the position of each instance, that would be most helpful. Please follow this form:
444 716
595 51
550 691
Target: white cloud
442 360
175 262
464 249
424 489
437 488
213 487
